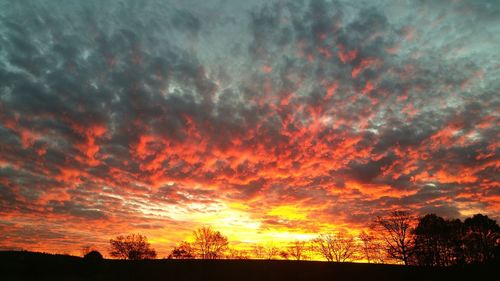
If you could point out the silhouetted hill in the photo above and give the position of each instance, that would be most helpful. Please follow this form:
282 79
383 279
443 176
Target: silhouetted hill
39 266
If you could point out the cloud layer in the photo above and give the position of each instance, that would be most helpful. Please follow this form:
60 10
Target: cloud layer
260 118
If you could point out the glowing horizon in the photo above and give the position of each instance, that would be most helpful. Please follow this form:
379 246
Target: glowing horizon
270 121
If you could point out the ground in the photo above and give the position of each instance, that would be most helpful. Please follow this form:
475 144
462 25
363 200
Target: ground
36 266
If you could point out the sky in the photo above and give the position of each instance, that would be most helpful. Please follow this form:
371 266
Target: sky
270 121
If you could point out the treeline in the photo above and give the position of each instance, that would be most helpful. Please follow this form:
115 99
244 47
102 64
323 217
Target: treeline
435 241
396 237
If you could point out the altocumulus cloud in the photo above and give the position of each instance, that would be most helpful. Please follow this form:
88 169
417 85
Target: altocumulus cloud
141 115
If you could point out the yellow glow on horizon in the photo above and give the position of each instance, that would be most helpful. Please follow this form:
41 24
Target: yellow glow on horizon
236 221
287 237
468 211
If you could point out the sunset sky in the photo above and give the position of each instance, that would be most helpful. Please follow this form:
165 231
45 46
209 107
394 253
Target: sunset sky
270 121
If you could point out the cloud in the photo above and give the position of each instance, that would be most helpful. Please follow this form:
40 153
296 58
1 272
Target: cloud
77 210
158 113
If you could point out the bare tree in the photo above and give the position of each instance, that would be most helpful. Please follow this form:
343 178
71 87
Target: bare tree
271 252
236 254
339 247
366 239
371 248
259 252
396 228
183 251
132 247
209 244
297 250
268 252
284 255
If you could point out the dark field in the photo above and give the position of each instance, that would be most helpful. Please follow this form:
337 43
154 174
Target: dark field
35 266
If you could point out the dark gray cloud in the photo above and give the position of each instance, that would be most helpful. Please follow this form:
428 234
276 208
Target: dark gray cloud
75 209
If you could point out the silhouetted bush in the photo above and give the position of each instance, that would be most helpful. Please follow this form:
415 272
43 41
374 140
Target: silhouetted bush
93 260
93 256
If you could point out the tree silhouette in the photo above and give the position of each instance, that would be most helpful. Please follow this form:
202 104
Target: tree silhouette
132 247
271 252
371 248
396 234
456 252
433 242
440 242
338 247
268 252
297 250
209 244
284 255
183 251
236 254
482 236
259 252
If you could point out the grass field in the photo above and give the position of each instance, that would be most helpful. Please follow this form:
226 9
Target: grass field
37 266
